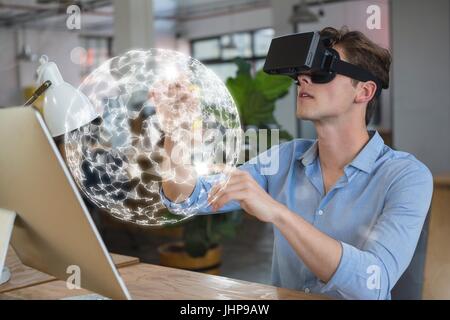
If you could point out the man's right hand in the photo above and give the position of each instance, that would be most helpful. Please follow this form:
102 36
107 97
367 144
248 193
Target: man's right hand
177 104
178 110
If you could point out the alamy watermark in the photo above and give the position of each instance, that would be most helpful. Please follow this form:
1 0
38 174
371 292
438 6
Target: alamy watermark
373 21
73 21
73 282
374 280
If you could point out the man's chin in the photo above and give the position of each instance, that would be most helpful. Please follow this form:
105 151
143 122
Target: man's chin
302 115
306 112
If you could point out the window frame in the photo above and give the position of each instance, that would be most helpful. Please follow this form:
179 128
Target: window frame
85 38
252 59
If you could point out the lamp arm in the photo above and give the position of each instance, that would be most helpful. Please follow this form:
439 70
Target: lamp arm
39 91
7 218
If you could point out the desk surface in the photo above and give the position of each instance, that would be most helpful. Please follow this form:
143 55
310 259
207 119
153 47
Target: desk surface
145 281
23 276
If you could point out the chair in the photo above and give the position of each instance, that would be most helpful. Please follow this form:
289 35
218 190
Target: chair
410 284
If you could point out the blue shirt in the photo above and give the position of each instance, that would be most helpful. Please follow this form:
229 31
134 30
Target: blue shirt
376 210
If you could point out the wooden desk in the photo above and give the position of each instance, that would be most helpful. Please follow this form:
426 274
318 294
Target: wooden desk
145 281
23 276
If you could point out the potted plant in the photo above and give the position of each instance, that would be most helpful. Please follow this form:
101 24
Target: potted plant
200 248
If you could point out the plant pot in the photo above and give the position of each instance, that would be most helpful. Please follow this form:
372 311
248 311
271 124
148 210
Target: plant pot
173 255
174 233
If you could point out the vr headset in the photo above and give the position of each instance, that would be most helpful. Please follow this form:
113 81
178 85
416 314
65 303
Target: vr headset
309 53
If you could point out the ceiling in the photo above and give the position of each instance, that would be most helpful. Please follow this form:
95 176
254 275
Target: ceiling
24 12
98 13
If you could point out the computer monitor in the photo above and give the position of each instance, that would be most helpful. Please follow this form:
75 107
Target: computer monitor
53 229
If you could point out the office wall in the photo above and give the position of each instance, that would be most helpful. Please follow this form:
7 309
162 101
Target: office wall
421 80
57 45
9 81
56 42
16 74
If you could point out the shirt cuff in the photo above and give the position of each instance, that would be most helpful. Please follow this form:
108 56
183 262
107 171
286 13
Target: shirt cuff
176 207
344 271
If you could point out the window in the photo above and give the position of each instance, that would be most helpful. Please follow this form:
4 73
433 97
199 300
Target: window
236 45
262 39
218 52
224 70
98 50
206 49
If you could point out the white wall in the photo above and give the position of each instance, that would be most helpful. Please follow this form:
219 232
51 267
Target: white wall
421 80
57 45
15 75
9 92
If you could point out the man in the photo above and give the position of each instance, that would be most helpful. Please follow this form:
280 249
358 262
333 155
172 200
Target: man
347 210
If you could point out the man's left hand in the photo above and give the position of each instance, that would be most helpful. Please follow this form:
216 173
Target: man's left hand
253 199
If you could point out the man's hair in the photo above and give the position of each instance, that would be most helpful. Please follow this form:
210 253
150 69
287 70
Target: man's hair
364 53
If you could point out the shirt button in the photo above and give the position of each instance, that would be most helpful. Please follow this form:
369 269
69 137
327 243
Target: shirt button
320 212
307 290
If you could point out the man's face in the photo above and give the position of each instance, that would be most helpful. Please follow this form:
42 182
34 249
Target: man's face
321 101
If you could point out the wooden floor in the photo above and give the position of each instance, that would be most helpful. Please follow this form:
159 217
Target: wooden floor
437 266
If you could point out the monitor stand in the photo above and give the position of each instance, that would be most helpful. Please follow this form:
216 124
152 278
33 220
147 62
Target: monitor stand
5 276
6 227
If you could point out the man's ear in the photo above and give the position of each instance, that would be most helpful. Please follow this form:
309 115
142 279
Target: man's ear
365 91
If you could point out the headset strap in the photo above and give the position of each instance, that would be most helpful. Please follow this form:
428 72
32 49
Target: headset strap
357 73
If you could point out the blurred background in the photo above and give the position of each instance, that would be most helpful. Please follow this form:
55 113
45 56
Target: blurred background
413 115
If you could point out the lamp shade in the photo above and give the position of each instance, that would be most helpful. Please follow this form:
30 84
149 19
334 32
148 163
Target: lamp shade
62 98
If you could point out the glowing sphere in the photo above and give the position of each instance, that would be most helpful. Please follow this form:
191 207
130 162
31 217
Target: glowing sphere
144 98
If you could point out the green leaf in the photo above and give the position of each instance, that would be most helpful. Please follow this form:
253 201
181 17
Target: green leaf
284 135
195 237
239 87
255 96
273 87
244 67
196 247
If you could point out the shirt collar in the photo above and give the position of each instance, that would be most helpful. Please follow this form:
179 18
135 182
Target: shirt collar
309 155
366 158
364 161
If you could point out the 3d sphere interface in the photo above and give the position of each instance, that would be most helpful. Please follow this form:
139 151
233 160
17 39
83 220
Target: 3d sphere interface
144 98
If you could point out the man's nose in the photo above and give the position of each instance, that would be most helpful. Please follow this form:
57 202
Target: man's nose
303 79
